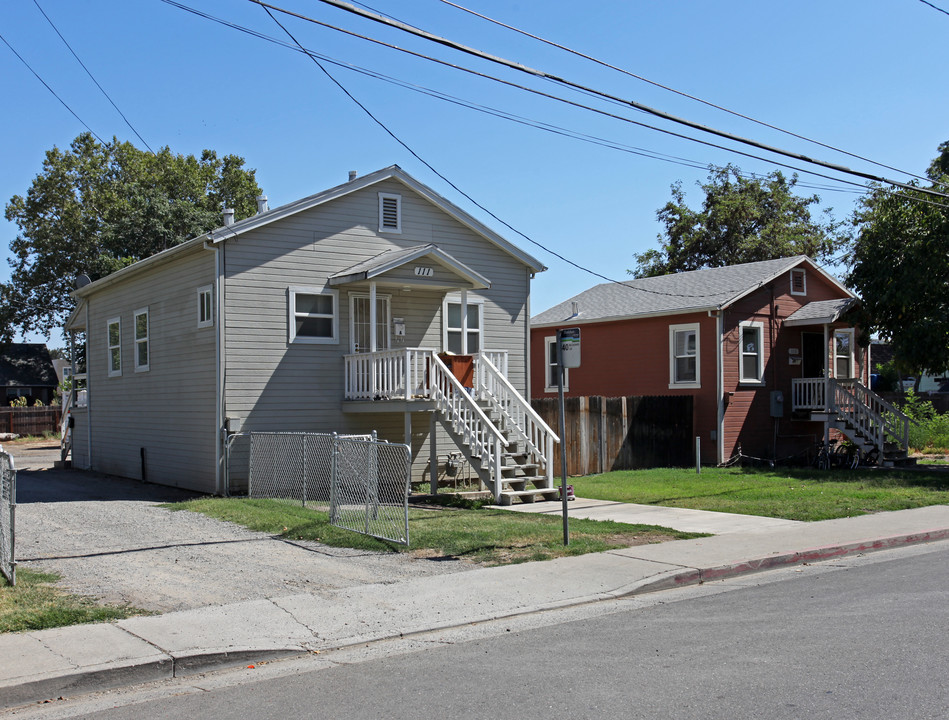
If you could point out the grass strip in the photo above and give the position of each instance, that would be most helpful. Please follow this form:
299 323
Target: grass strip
490 537
36 604
790 493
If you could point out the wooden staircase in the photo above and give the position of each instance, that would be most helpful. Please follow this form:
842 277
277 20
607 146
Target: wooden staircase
871 423
504 440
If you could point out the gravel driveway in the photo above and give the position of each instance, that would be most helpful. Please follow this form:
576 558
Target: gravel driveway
109 539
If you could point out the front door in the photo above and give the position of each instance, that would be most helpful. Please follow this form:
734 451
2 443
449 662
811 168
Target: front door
360 326
813 355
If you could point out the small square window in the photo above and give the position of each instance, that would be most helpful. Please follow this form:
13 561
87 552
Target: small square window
205 306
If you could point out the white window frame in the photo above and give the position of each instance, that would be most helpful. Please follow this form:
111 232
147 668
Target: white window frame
803 274
386 321
472 302
206 300
686 384
397 228
113 371
142 367
292 293
850 356
550 362
742 353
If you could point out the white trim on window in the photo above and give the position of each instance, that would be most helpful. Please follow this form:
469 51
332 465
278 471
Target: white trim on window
751 352
206 306
113 341
683 347
318 332
847 357
798 281
383 321
142 349
390 213
451 334
550 366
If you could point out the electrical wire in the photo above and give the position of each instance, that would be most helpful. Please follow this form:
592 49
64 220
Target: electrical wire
92 77
708 103
46 85
568 83
934 7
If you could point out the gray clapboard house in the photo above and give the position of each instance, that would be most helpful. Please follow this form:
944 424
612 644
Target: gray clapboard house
329 314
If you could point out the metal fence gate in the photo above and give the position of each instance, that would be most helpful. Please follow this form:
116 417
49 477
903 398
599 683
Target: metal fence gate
7 516
361 482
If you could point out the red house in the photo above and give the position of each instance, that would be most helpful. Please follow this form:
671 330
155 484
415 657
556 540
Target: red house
765 349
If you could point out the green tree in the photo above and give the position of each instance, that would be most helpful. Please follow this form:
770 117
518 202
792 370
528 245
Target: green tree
901 270
96 208
742 219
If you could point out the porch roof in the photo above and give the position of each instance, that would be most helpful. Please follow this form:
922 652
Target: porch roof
391 261
821 312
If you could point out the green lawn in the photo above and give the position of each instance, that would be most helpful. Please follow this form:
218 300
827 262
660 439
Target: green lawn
35 604
492 537
795 494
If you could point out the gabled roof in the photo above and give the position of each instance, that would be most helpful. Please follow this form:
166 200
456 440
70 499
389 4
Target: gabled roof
693 291
392 259
393 172
26 365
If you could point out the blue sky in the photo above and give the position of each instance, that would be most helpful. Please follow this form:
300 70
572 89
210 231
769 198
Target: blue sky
866 76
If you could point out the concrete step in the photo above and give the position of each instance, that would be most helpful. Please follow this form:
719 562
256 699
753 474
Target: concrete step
528 496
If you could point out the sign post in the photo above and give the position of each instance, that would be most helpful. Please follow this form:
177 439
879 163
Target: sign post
568 356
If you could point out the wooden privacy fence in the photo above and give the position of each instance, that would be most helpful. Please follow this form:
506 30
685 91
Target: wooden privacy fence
30 420
623 433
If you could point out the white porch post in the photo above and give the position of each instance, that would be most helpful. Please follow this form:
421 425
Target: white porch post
372 338
464 321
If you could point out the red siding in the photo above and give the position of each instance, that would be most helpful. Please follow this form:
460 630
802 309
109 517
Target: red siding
631 357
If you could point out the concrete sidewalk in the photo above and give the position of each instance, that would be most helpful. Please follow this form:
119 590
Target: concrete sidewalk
86 658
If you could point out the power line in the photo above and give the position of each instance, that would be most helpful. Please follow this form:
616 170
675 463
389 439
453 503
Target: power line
89 73
46 85
577 86
934 7
414 154
671 89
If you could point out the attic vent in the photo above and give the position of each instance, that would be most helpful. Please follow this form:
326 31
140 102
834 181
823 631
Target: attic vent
390 213
798 282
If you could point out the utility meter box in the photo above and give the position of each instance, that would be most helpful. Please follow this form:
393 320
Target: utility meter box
777 404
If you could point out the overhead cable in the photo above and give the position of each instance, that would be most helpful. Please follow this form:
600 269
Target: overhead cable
577 86
92 77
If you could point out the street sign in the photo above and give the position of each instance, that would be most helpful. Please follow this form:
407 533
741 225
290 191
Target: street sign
569 340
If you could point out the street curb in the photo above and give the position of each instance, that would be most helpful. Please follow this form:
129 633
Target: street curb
697 576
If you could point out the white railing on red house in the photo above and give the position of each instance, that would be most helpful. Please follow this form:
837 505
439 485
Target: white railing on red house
809 394
517 415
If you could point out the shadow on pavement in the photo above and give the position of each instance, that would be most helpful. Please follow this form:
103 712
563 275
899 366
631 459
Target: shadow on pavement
49 485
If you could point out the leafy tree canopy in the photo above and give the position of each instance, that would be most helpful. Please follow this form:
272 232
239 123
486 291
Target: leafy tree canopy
742 219
96 208
901 270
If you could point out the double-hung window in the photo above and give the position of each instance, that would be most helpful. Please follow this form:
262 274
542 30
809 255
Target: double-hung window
114 337
550 360
314 315
453 329
751 352
141 340
843 354
684 363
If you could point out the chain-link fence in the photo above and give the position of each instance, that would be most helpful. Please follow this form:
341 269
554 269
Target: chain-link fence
7 516
362 483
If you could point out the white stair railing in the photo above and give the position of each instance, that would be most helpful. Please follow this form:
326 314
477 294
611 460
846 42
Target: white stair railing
869 412
467 420
517 414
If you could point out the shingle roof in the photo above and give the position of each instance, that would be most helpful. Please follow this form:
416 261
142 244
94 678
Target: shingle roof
26 365
821 311
695 290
